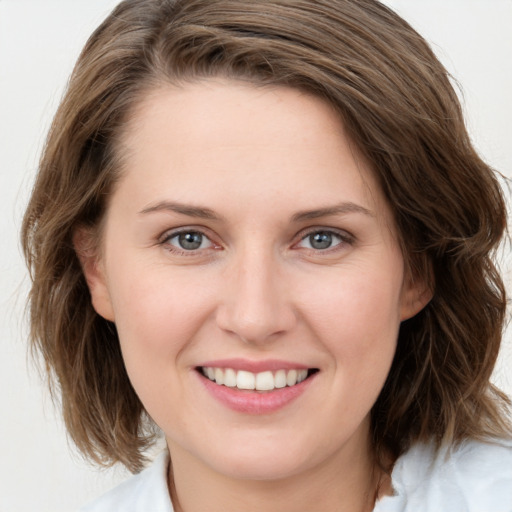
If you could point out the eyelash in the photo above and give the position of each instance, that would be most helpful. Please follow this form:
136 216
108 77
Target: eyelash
344 238
165 240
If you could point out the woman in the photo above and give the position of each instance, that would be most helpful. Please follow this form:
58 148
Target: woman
262 227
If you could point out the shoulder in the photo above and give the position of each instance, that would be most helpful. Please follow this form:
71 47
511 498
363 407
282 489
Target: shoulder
140 493
474 477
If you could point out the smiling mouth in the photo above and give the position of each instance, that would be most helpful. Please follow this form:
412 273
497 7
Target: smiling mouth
262 381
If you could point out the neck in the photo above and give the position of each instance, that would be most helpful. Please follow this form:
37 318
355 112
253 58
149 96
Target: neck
347 482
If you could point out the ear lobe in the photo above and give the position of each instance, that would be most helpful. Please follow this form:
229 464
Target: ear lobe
416 294
92 266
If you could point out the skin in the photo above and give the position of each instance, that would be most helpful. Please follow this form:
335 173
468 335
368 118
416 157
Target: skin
257 288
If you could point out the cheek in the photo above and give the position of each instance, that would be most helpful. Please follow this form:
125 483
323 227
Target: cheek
357 317
158 320
158 313
354 301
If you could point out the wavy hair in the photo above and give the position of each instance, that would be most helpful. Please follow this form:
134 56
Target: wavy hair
399 108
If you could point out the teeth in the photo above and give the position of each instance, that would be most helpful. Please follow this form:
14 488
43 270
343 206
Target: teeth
280 379
263 381
245 380
301 375
219 376
291 377
230 378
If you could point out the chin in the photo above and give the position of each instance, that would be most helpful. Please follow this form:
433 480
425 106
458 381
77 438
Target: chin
258 468
268 459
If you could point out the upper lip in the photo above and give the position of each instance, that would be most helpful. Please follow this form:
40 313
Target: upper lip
254 366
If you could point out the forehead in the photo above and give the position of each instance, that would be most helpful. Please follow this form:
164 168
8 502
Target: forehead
235 140
223 112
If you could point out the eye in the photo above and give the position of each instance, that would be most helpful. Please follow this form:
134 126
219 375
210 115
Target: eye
322 240
189 241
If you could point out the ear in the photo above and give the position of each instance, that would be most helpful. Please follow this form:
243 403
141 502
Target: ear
417 292
85 245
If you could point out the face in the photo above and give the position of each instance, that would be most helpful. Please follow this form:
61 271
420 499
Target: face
250 264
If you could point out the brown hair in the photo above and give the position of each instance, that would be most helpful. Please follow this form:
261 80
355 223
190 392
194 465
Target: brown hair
400 110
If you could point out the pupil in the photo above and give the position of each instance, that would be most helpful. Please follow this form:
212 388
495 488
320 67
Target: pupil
190 241
320 240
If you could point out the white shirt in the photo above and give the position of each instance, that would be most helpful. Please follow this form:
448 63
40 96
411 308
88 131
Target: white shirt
476 477
144 492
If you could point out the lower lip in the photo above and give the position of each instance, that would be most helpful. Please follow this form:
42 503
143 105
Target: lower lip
254 402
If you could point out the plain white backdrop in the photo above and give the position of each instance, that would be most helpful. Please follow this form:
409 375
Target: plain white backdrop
39 42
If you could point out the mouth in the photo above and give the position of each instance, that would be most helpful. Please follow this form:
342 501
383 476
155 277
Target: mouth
261 382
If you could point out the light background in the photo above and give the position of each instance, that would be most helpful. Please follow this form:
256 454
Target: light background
39 42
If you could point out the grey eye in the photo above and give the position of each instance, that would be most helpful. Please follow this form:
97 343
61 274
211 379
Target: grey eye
321 240
189 241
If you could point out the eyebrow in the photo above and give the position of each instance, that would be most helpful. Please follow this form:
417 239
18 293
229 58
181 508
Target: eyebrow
338 209
207 213
183 209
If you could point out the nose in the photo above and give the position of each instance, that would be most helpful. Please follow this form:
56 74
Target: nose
255 305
